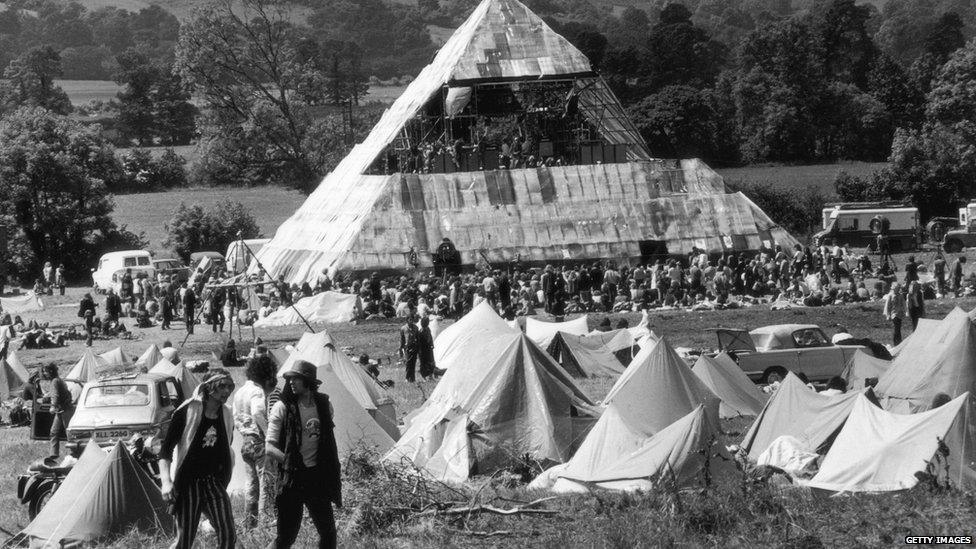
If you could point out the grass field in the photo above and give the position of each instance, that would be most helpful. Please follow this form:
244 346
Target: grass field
150 211
820 176
734 514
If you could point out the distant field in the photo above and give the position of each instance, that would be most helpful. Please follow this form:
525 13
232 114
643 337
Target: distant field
80 92
818 175
150 211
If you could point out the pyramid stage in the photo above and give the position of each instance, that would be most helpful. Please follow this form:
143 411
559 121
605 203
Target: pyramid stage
509 145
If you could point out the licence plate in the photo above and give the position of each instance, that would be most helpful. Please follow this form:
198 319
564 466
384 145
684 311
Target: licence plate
112 433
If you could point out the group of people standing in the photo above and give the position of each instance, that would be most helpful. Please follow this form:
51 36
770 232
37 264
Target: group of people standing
289 451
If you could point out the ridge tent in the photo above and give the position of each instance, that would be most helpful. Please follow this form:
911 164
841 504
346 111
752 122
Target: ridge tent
863 367
321 308
542 332
105 494
925 329
940 361
583 356
88 368
474 333
740 396
490 411
675 456
150 357
115 359
880 451
188 380
656 390
798 411
13 376
319 349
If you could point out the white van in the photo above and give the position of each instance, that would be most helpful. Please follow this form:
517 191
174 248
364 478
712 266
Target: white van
112 266
850 224
237 257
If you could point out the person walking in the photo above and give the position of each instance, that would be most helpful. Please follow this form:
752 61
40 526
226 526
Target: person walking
251 420
189 307
196 462
915 302
957 274
410 346
62 407
301 440
425 351
166 309
113 306
59 279
939 270
894 310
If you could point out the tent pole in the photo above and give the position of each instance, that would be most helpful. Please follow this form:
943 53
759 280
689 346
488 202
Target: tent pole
240 235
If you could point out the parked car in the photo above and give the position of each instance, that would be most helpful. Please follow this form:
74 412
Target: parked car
117 407
766 354
176 271
113 265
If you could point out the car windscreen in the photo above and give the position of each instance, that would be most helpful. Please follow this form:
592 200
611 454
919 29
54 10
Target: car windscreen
117 395
810 337
144 261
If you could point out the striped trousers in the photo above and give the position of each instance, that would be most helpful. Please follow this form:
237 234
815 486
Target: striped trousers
203 495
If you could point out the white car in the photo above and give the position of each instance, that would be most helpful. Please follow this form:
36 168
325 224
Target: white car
766 354
112 266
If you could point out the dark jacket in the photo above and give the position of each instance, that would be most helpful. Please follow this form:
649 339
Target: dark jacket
327 469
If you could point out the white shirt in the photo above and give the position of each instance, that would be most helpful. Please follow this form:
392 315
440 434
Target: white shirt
840 337
250 410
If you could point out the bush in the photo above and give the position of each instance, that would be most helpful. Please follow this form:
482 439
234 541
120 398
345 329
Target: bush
193 229
143 173
798 211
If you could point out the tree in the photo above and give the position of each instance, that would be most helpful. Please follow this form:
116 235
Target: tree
945 37
193 229
154 103
952 101
680 53
890 84
677 122
243 58
53 172
31 81
846 48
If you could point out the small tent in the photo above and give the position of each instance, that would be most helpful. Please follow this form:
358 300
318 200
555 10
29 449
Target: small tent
150 357
941 361
88 368
474 333
656 390
188 380
880 451
27 303
584 356
105 494
115 359
542 332
740 396
493 409
321 308
354 428
13 377
863 367
319 349
798 411
677 456
620 342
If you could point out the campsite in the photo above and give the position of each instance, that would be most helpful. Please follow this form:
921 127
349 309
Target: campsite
516 306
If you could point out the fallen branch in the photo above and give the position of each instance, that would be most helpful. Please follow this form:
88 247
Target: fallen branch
484 534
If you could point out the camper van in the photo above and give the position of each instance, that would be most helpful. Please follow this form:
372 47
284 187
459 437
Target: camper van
850 224
238 257
113 265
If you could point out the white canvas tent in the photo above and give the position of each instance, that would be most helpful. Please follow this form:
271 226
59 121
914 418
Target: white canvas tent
740 396
584 356
150 357
115 359
656 390
88 368
798 411
542 332
188 380
940 361
13 376
880 451
27 303
319 349
321 308
473 334
487 413
861 368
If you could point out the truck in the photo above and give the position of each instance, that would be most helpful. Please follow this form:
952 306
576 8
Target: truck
964 236
857 224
